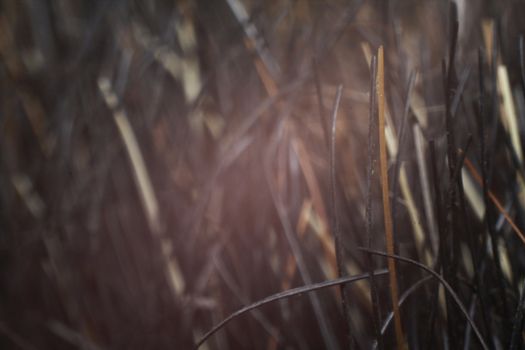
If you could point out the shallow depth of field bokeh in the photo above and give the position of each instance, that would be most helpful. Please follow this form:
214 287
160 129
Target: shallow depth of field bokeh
164 163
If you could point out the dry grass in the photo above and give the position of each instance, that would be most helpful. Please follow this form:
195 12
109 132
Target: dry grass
166 164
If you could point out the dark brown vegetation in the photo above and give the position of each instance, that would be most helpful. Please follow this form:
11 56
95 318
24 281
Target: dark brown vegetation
165 163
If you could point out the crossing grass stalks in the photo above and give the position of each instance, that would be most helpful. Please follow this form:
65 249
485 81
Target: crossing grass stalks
169 166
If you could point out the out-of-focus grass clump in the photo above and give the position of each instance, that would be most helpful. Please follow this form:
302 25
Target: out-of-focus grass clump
165 163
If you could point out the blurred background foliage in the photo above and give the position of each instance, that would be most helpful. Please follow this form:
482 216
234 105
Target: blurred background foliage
161 159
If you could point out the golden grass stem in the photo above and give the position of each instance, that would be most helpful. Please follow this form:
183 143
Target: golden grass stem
389 235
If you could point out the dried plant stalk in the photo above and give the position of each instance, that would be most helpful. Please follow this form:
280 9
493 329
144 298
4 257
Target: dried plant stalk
144 186
389 235
496 202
